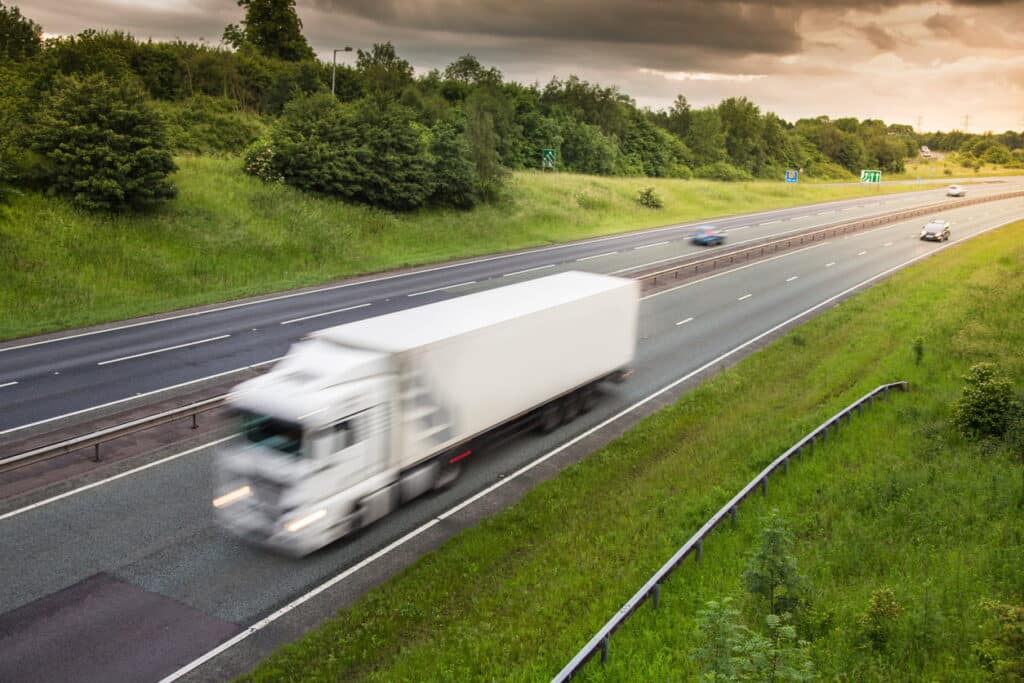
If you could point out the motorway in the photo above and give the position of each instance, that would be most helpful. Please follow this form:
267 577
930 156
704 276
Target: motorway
43 380
130 579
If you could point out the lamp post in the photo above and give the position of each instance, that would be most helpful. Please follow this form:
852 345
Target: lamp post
334 63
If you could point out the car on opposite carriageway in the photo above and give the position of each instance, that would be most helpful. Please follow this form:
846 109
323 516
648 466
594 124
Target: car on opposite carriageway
708 235
956 191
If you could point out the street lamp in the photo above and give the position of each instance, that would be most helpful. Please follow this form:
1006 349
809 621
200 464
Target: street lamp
334 63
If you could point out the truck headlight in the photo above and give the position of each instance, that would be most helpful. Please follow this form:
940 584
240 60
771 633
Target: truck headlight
304 521
232 497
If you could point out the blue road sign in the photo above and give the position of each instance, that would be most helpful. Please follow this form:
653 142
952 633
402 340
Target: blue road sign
792 176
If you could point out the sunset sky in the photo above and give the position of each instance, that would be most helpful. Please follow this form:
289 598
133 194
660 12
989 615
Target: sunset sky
927 63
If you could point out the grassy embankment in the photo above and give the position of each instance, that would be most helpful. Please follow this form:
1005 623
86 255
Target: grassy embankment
935 170
899 500
228 235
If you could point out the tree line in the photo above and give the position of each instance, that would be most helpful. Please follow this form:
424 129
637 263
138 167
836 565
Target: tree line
98 116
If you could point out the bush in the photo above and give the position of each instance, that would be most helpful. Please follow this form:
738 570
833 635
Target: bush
771 572
102 145
721 170
259 162
649 198
987 404
210 125
1002 651
878 621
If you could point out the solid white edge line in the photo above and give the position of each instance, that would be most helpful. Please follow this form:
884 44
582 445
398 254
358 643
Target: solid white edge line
830 264
790 279
11 430
587 258
441 289
529 270
81 489
169 348
861 253
648 246
263 623
320 315
744 297
331 288
8 384
683 322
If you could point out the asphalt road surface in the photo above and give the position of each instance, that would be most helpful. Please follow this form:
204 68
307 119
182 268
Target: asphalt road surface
45 380
130 579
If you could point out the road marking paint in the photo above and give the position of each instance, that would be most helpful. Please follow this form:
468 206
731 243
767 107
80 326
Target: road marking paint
320 315
799 218
441 289
732 270
82 489
745 296
648 246
825 213
887 244
587 258
528 270
770 222
8 384
790 279
266 621
861 253
830 264
683 322
11 430
169 348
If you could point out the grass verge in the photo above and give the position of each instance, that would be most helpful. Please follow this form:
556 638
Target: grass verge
900 500
228 236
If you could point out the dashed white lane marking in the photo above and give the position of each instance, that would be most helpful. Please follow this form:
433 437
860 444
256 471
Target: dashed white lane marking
528 270
587 258
441 289
790 279
169 348
320 315
745 296
683 322
861 253
825 213
887 244
769 222
648 246
7 384
830 264
798 218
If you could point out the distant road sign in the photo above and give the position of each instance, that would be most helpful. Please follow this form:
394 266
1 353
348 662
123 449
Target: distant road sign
871 176
792 176
547 157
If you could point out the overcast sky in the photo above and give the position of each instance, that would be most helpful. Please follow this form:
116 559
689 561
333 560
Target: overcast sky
927 63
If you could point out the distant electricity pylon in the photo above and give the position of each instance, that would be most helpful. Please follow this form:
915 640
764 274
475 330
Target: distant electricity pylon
967 121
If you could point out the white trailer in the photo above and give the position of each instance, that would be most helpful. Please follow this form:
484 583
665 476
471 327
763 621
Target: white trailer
362 417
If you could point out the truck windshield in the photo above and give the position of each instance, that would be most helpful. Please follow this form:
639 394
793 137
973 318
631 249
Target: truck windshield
270 432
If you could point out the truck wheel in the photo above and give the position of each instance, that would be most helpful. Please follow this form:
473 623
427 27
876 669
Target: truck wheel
570 407
588 398
550 418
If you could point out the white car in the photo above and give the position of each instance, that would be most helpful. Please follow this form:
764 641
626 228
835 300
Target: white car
956 191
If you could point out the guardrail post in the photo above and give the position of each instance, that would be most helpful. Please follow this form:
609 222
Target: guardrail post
604 650
732 516
96 453
785 465
195 425
700 548
656 595
764 486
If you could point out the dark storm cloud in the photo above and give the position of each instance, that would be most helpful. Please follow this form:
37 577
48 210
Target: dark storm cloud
731 27
879 37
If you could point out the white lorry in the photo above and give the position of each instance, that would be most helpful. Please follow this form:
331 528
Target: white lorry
360 418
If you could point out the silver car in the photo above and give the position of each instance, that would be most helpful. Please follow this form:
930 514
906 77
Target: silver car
956 191
936 230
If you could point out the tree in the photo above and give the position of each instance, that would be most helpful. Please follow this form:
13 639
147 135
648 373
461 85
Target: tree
13 111
467 69
105 148
454 172
20 37
384 73
705 137
772 570
273 28
483 145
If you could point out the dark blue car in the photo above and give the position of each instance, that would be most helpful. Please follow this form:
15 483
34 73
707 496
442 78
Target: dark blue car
708 235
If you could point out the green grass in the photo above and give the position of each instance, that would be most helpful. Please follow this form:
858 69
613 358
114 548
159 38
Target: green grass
899 500
928 170
228 236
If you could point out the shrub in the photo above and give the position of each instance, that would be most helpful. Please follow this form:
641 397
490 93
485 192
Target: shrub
878 621
771 572
1002 650
259 162
721 170
209 125
987 403
103 146
649 198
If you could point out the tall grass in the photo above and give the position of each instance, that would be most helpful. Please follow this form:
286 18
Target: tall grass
898 500
228 235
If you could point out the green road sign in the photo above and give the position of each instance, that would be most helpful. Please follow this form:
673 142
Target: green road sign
547 157
871 176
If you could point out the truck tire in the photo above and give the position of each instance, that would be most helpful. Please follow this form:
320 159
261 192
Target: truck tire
550 418
570 407
588 398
